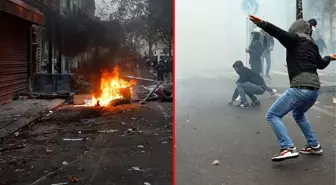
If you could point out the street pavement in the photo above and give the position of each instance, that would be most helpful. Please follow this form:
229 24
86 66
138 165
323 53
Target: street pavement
241 139
127 144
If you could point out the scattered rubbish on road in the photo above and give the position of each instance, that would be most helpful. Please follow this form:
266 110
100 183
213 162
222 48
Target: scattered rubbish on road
62 183
123 123
107 131
318 117
87 121
48 150
74 179
187 121
136 168
19 170
86 153
12 147
216 162
70 139
65 163
164 142
143 151
79 132
147 183
49 113
16 134
140 146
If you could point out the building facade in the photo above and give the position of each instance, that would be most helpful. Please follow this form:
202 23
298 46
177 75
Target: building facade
17 42
31 41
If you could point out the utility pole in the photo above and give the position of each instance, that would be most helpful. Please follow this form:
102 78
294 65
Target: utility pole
299 12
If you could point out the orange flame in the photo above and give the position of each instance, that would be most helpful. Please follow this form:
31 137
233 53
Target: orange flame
110 85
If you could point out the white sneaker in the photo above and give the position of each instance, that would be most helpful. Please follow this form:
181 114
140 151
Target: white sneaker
288 153
273 92
238 98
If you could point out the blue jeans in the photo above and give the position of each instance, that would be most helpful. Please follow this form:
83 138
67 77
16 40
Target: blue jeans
250 89
298 101
266 57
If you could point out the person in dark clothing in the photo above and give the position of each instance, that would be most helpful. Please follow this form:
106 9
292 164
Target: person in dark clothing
303 60
266 56
255 50
249 83
321 45
161 69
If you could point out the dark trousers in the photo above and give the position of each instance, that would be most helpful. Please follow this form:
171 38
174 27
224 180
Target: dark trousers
160 76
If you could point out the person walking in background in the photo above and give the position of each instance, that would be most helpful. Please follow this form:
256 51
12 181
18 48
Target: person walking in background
321 45
266 56
255 51
303 60
161 69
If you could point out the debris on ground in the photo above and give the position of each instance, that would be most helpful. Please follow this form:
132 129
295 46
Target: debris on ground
107 131
216 162
147 183
136 168
87 121
74 179
70 139
140 146
16 134
62 183
65 163
12 147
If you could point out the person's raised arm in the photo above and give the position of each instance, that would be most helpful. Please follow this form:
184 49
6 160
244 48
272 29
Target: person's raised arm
285 38
322 63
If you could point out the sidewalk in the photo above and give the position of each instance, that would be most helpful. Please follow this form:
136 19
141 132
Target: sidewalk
19 113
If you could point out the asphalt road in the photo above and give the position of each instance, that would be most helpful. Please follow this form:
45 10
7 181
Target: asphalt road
207 130
127 144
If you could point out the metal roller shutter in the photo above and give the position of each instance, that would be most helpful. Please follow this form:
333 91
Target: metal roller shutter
13 56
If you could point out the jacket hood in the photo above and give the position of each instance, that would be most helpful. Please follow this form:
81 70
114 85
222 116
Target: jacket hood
301 28
238 64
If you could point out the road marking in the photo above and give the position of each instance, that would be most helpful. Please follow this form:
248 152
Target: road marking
316 108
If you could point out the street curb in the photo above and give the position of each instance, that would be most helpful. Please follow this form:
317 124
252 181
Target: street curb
24 122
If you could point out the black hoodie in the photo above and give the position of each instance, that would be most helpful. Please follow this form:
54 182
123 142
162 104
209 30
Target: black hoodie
246 75
302 52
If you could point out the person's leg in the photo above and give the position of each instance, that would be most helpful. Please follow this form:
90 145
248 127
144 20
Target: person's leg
262 65
286 103
313 146
242 94
251 90
268 64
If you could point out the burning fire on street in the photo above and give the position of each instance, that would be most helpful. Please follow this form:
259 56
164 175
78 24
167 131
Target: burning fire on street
112 88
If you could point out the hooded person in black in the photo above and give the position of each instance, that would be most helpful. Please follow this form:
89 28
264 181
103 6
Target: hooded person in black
303 60
249 83
255 50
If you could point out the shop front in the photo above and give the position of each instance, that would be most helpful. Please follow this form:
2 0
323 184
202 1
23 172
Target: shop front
16 47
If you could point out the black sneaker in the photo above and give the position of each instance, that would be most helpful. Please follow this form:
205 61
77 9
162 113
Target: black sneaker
315 150
288 153
243 105
256 104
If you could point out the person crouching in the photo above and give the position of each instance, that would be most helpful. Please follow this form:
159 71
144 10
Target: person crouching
249 83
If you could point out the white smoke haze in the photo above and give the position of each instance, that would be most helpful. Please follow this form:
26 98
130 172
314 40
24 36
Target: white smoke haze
211 35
